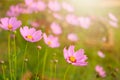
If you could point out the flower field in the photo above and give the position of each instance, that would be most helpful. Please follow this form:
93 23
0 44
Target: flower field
59 40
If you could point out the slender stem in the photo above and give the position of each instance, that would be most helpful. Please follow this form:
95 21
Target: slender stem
37 66
66 72
24 55
55 71
3 70
44 61
51 72
9 57
15 59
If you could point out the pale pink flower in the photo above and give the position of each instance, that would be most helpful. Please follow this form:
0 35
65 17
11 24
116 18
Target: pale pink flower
34 24
14 11
99 69
54 6
58 16
113 20
101 54
10 23
67 7
72 37
84 22
75 58
30 34
113 23
55 27
72 19
113 17
36 5
51 41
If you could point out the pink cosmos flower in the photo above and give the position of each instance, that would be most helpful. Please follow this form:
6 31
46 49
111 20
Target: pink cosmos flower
54 6
113 20
35 24
72 37
57 16
101 54
30 34
67 7
99 69
84 22
75 58
51 41
36 5
56 29
113 23
14 10
72 19
112 17
10 24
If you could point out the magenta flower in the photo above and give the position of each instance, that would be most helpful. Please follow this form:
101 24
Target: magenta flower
99 69
75 58
56 29
72 37
10 24
67 7
54 6
51 41
30 34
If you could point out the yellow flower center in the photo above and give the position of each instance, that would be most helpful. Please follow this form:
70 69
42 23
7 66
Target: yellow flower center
10 27
72 59
29 37
49 42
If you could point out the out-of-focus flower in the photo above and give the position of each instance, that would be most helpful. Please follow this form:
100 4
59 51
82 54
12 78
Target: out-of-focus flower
56 29
14 11
67 7
54 6
51 41
75 58
84 22
35 24
99 69
72 37
113 23
112 17
39 47
30 34
36 5
101 54
113 20
72 19
57 16
10 24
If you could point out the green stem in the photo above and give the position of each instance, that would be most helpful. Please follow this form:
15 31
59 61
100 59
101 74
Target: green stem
24 56
51 72
55 71
15 59
9 57
66 72
44 61
37 66
3 70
